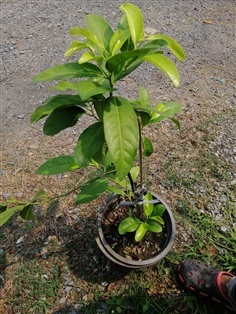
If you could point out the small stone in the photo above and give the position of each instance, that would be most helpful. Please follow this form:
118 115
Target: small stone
2 252
63 300
223 229
21 116
68 289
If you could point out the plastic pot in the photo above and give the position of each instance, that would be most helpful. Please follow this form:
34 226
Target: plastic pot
120 260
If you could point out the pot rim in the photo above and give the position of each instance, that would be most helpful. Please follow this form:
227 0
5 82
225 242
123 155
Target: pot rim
110 253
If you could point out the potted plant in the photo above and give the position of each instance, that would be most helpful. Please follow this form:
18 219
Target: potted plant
113 145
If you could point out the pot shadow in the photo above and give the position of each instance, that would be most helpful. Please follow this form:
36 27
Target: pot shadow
51 234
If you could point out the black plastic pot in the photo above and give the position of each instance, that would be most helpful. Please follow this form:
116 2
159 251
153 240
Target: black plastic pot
116 258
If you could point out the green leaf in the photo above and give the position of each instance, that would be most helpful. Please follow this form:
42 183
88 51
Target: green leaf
176 122
91 191
80 31
102 156
120 60
87 89
75 46
27 212
68 71
174 47
158 210
148 207
141 231
41 194
135 20
121 133
55 102
129 224
57 165
147 146
101 31
89 143
118 39
134 172
164 64
88 56
159 219
64 85
61 119
165 110
153 226
115 190
6 215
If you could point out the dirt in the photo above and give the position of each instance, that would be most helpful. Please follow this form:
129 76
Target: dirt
125 245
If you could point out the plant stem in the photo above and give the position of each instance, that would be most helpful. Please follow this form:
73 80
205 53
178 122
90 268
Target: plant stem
140 151
131 182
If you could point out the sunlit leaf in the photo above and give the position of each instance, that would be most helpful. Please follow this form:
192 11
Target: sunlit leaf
135 20
121 133
129 224
57 165
68 71
153 226
174 47
88 89
165 110
91 191
75 46
6 215
148 207
141 231
165 65
117 40
101 31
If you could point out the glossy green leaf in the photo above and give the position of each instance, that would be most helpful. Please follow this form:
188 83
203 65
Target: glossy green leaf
118 39
68 71
121 133
148 207
57 165
158 210
89 143
120 60
6 215
80 31
115 190
55 102
135 20
91 191
165 110
153 226
159 219
174 47
101 30
134 172
147 146
87 89
141 231
27 212
64 85
176 122
88 56
75 46
129 69
129 224
61 119
102 156
165 65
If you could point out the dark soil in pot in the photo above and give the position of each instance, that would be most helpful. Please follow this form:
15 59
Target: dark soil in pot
125 245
